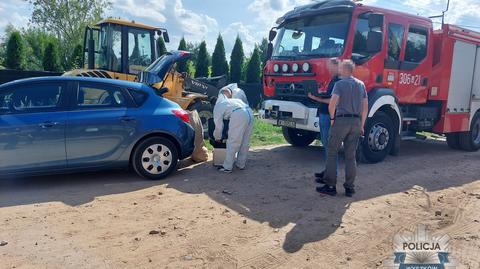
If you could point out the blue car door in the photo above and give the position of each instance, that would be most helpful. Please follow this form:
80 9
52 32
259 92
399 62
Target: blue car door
99 128
32 127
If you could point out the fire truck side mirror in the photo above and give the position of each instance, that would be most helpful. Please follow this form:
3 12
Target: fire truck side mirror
374 41
272 35
375 20
269 50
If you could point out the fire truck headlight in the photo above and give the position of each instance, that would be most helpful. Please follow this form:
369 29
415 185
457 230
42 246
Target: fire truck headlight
306 67
285 67
295 67
276 68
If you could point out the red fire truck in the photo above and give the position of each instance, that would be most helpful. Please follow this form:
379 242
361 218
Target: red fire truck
418 79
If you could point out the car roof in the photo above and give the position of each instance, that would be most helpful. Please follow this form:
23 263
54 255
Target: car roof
114 82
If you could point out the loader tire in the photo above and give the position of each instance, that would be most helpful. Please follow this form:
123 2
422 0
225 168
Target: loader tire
205 112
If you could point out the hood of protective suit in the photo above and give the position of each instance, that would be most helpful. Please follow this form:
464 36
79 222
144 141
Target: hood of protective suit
221 98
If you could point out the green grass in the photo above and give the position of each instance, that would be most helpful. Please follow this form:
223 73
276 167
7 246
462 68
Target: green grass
264 134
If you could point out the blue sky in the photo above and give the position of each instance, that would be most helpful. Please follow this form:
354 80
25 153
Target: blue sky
204 19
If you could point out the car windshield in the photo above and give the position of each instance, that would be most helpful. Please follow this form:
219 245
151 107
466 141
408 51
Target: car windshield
315 36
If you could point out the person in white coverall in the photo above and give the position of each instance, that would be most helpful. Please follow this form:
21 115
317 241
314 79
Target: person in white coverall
239 129
237 93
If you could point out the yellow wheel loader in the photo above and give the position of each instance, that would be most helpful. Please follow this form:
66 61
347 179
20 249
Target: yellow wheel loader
120 49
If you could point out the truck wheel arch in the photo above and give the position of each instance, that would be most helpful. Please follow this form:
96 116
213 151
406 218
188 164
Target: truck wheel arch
384 99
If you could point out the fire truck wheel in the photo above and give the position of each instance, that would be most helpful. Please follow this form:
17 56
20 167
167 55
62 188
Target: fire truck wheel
453 140
205 112
297 137
379 138
470 141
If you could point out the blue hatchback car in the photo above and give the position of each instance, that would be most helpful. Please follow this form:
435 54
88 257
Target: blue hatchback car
69 124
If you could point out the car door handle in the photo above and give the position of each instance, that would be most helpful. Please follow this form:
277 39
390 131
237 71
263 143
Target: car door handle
127 119
48 124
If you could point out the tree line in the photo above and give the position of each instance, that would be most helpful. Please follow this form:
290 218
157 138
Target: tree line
54 42
240 68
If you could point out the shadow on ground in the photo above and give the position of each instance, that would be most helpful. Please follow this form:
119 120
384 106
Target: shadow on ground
277 188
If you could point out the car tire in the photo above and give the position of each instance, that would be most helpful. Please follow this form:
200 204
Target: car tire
205 112
379 138
470 141
155 158
297 137
453 140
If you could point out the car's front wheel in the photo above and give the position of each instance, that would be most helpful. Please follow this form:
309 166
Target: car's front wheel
155 158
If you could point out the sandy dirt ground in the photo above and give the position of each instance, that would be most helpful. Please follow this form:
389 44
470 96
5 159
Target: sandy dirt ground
268 216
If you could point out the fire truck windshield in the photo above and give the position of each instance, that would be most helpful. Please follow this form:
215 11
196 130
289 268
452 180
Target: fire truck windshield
312 37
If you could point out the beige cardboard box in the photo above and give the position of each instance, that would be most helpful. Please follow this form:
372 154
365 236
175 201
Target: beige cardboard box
219 156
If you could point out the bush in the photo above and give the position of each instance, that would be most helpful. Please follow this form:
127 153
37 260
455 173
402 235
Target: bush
201 66
182 65
15 58
219 60
77 57
161 48
236 61
253 67
51 59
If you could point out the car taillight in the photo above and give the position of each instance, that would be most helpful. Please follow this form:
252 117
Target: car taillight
182 114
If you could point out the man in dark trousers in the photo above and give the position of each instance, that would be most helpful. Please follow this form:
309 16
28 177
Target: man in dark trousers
348 110
322 113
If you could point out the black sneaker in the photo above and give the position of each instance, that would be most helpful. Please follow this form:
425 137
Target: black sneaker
222 169
328 190
349 192
320 180
320 175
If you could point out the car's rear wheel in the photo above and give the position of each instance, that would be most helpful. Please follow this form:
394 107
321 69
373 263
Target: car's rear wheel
155 158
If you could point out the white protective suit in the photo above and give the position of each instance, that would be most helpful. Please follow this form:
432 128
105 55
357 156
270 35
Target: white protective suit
239 129
237 93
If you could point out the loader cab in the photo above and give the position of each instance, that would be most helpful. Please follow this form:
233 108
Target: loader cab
121 48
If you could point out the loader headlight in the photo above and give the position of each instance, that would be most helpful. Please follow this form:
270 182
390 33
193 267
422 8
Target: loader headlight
295 67
276 68
306 67
285 67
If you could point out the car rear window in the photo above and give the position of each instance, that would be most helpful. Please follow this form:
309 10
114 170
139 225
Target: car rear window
138 96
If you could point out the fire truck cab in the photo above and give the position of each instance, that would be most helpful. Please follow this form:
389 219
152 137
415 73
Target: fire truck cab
417 78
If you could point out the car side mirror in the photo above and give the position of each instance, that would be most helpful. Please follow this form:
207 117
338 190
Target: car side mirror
272 35
269 50
374 41
163 90
375 20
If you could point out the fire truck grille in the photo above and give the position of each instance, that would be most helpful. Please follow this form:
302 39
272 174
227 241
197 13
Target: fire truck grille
295 89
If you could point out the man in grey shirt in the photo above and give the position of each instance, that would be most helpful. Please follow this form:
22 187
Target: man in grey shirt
348 110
